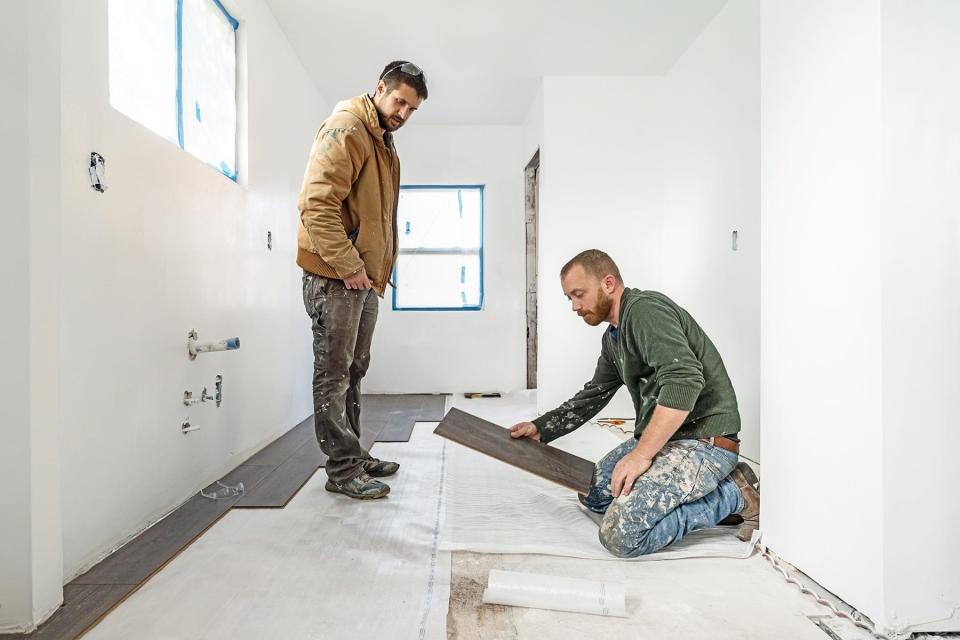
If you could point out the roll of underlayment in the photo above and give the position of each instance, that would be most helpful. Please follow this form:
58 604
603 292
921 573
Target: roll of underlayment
554 592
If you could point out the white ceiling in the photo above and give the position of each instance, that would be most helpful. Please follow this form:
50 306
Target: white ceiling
484 58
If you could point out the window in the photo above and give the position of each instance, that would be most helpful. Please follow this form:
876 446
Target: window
440 258
173 69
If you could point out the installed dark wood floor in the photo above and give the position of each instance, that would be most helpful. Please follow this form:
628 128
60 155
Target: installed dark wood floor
493 440
83 606
270 477
297 456
397 414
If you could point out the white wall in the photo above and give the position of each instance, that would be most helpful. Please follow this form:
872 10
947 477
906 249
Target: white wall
921 313
456 351
658 172
533 126
30 538
712 187
600 188
15 487
820 293
173 245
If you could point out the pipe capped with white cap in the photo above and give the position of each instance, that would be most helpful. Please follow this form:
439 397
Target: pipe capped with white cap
557 593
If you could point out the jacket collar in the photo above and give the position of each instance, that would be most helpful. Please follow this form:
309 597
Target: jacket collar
363 108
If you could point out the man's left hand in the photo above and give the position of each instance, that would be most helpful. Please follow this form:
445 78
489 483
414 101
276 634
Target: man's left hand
630 467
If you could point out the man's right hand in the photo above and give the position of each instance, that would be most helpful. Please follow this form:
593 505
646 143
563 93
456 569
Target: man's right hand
525 430
359 280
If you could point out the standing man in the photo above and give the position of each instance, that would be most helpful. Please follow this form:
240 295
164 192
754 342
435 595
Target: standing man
679 473
346 245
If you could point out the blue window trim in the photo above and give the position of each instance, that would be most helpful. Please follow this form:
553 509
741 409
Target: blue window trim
447 187
223 168
179 97
226 14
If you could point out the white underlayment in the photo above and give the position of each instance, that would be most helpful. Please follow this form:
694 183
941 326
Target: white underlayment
324 567
330 567
493 507
689 598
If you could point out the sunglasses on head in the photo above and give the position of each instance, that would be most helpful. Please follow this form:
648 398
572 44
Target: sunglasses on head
407 67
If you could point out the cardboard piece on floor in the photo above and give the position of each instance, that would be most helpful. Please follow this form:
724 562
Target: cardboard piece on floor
539 459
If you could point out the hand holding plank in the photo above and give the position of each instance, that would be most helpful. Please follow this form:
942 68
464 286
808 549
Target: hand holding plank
525 430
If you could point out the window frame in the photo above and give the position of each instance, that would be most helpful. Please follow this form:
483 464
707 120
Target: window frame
479 251
236 83
177 135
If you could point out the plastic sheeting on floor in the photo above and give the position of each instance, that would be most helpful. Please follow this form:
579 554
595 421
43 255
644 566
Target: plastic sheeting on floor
495 508
558 593
326 566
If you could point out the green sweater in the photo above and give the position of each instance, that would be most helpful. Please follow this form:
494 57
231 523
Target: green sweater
663 357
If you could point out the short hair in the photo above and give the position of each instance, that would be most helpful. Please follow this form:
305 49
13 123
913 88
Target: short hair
595 263
393 76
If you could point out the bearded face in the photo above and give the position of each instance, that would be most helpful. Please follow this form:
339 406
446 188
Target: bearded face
600 310
587 296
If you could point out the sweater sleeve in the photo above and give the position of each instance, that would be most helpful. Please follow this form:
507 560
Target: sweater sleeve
660 336
335 163
587 403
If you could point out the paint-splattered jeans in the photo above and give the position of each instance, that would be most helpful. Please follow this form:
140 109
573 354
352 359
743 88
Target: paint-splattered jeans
343 322
685 489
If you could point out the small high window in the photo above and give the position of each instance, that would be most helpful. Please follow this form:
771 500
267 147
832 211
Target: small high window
173 69
440 260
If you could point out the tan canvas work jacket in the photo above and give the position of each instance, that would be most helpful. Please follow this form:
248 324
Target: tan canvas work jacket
348 202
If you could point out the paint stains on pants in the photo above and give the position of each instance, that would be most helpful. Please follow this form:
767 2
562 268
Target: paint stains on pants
343 322
685 489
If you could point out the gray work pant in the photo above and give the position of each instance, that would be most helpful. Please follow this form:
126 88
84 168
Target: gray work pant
343 322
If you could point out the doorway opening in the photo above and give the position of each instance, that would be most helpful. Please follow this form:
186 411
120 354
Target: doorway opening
531 188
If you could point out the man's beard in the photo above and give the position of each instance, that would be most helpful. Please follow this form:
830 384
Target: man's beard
599 313
392 125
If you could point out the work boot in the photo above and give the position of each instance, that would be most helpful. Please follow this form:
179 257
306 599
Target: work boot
746 480
380 468
363 487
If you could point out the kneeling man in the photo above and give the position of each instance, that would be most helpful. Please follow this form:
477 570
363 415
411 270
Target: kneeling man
679 472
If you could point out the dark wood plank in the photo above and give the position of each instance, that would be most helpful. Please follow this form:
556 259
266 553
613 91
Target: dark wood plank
151 550
280 450
432 407
83 606
277 489
540 459
397 415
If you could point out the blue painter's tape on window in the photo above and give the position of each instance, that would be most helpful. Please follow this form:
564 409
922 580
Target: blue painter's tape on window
227 171
460 201
178 35
463 296
233 21
463 274
408 228
197 109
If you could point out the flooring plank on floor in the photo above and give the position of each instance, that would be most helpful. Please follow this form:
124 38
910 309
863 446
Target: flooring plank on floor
432 408
399 413
83 606
540 459
279 487
143 556
280 450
